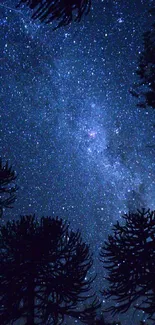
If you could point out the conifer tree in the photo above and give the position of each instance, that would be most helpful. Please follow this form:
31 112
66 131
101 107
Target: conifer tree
7 186
129 258
63 11
144 89
44 272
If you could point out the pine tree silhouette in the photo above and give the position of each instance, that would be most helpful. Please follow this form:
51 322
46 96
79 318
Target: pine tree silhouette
7 186
129 257
64 11
43 272
144 90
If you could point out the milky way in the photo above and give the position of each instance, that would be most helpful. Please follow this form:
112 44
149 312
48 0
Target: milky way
69 126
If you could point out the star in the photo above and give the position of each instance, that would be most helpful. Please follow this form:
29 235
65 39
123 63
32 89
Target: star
92 134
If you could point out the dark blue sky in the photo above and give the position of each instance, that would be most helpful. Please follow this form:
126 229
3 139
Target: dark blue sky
69 126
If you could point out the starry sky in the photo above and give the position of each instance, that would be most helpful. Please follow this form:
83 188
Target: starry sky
68 124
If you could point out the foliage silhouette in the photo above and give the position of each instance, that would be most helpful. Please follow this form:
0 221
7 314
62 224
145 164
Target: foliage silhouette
58 10
7 186
145 88
129 257
43 272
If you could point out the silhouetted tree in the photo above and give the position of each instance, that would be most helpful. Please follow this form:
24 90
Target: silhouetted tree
145 88
43 272
129 257
64 11
7 186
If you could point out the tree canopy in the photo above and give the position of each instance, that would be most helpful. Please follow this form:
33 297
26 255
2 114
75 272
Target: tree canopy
144 89
63 11
7 186
129 258
43 269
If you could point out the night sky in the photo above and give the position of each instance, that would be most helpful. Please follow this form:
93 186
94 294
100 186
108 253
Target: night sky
69 126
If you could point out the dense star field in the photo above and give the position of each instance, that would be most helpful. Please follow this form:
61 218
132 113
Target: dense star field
69 126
